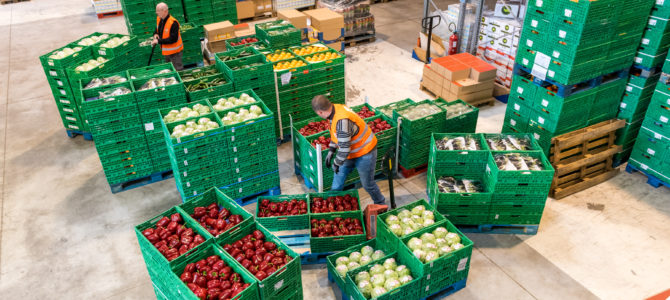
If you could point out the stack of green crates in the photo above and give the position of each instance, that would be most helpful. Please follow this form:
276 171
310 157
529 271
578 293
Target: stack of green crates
539 109
120 142
203 12
505 198
573 41
633 107
460 208
240 158
63 77
140 16
190 36
431 277
305 154
165 274
278 34
297 89
651 151
415 134
149 101
655 41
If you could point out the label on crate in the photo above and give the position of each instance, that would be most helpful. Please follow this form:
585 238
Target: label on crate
652 21
623 105
537 137
64 101
185 174
629 88
462 263
567 13
279 283
71 119
62 92
542 59
53 73
540 120
185 150
651 151
102 52
512 122
533 23
519 90
237 170
239 179
663 119
539 72
60 83
73 126
517 107
545 103
240 193
235 159
51 63
529 43
644 167
286 78
638 60
428 276
188 184
660 2
186 163
149 126
234 149
539 3
525 61
68 110
551 73
657 136
562 34
556 54
645 41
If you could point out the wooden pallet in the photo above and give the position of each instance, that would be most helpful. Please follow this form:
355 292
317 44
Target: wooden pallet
3 2
583 158
476 103
110 14
359 39
262 16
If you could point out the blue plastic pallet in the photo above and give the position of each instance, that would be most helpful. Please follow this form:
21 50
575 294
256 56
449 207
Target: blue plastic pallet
651 179
499 229
343 295
73 133
566 90
302 241
502 98
135 183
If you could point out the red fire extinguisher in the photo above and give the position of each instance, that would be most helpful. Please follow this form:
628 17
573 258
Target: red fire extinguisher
453 43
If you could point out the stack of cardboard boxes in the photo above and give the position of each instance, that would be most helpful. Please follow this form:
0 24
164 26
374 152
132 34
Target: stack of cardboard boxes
497 44
461 76
252 8
216 35
326 26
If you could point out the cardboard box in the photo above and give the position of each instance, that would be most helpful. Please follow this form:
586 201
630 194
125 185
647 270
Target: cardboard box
326 21
217 46
243 30
476 95
219 31
298 19
246 9
468 86
262 6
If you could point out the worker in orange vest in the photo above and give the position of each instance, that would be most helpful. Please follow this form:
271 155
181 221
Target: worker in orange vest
355 144
168 36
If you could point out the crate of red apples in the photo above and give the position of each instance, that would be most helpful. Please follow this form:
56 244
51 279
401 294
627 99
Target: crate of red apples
211 273
274 265
285 212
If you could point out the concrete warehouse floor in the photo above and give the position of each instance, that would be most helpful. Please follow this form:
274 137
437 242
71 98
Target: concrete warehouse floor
64 235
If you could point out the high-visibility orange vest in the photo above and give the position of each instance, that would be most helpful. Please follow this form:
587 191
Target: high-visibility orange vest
169 49
363 142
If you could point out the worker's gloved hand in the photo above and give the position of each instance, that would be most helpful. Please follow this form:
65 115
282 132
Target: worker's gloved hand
336 168
329 156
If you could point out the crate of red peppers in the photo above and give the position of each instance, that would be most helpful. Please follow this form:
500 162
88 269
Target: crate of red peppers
336 231
274 265
284 212
168 236
364 110
217 213
211 273
334 201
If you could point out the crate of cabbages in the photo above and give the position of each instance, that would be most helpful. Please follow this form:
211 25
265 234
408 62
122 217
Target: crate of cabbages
428 244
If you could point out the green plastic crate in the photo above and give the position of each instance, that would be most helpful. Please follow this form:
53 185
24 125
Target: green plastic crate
407 291
385 236
283 281
155 259
330 260
524 180
336 243
251 292
194 95
294 222
215 195
388 108
443 271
